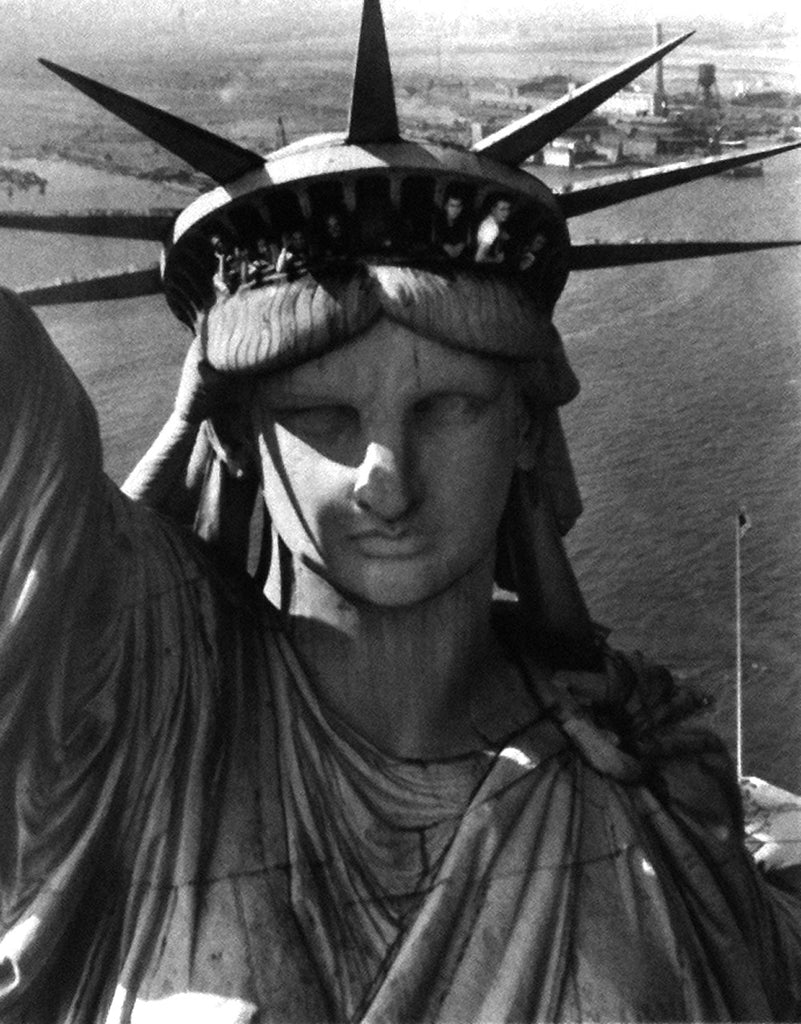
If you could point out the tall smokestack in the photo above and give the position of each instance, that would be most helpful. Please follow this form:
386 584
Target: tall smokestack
660 100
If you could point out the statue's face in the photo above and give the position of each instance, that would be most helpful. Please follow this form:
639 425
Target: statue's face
387 462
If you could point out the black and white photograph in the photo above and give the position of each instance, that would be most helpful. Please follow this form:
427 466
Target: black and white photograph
400 512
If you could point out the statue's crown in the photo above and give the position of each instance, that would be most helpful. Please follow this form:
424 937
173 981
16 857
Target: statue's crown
370 194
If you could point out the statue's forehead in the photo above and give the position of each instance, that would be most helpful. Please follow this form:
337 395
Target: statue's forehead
272 327
386 354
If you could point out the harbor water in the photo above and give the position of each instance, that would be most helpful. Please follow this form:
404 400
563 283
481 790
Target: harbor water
690 407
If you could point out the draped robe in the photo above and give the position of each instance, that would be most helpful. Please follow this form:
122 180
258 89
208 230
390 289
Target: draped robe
187 834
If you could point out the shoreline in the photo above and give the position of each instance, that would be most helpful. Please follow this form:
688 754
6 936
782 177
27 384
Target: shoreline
55 183
179 178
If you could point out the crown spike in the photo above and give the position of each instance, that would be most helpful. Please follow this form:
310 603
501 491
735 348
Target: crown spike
518 140
126 284
152 227
373 117
612 191
223 161
600 255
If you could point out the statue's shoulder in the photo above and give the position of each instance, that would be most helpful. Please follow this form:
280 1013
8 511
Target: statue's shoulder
636 725
630 718
632 699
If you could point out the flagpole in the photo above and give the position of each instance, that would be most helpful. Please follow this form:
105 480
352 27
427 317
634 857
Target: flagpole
738 527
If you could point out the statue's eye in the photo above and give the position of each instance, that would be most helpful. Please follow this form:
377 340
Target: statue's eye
318 421
450 409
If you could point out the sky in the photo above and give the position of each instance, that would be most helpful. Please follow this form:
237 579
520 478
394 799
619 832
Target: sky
728 10
735 10
116 23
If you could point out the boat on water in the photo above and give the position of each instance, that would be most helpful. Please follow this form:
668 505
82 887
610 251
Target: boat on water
755 170
731 147
772 823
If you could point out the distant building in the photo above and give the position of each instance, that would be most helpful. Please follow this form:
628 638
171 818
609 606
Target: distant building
526 96
547 86
771 98
499 94
646 138
565 151
631 103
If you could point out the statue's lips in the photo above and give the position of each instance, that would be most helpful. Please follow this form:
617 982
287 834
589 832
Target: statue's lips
388 543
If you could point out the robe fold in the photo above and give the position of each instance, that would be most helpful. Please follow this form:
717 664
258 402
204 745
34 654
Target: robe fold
187 834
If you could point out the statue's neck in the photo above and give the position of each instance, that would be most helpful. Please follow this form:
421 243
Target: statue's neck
403 678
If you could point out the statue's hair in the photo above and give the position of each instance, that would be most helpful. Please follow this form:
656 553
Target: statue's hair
287 322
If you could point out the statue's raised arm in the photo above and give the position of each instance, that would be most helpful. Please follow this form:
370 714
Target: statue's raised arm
50 486
109 639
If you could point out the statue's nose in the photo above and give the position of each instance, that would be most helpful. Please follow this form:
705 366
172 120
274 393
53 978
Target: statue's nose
382 485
